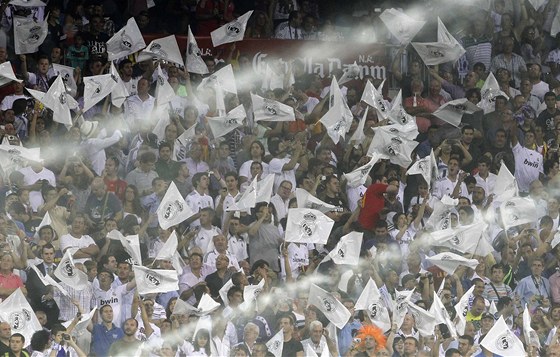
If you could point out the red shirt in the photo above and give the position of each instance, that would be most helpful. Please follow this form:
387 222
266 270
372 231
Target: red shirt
11 281
372 204
118 187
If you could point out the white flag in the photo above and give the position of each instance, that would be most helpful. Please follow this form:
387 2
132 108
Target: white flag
461 308
369 294
28 3
276 344
132 246
489 91
336 99
425 321
7 74
67 272
440 217
187 135
47 280
173 209
393 147
347 250
16 311
126 41
18 155
220 126
442 317
333 309
271 110
449 262
169 248
194 62
164 91
264 189
400 306
182 308
28 35
501 341
46 221
447 49
165 48
223 79
351 73
537 4
463 239
252 292
224 290
306 225
334 123
97 88
531 337
232 31
119 92
370 301
508 185
555 241
59 101
307 200
84 322
150 281
374 97
427 167
248 200
359 176
452 112
397 114
407 131
400 25
206 305
517 211
359 135
67 74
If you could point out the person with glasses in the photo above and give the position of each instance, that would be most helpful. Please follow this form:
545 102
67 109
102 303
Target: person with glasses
281 199
534 290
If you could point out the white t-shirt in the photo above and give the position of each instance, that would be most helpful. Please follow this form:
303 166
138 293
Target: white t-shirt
445 186
354 194
68 241
30 177
275 167
113 297
528 165
245 169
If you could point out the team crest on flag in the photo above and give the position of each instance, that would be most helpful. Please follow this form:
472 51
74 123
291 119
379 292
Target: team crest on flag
28 35
173 209
126 41
232 31
308 225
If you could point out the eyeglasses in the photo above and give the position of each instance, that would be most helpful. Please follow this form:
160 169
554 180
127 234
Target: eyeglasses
286 188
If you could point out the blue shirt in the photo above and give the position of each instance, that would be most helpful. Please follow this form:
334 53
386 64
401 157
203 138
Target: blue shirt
345 336
102 338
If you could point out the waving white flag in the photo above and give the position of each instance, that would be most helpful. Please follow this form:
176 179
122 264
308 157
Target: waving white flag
393 147
222 78
334 123
427 167
276 344
442 317
67 74
67 272
248 200
150 281
27 3
307 200
119 92
517 211
131 245
374 97
206 305
449 262
502 341
464 239
370 301
452 112
407 131
232 31
333 309
400 306
28 34
57 100
447 49
359 176
400 25
425 321
165 48
84 322
220 126
169 248
351 73
194 62
7 74
306 225
173 209
97 88
397 114
47 280
16 311
347 250
264 189
507 188
164 91
271 110
489 91
126 41
531 337
358 136
461 308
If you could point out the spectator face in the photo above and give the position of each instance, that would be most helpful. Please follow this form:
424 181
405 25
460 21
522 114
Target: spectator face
3 54
256 170
500 139
110 167
48 255
126 71
6 263
453 167
471 79
195 262
220 243
497 275
170 133
107 314
5 330
478 288
487 324
526 86
123 271
468 136
146 166
537 268
285 190
222 262
130 327
550 101
256 151
231 183
43 66
534 71
16 344
478 195
56 54
286 324
409 346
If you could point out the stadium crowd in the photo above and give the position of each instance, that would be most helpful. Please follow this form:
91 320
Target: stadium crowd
107 174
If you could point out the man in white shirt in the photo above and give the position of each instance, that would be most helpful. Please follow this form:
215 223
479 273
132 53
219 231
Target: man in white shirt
484 178
452 184
284 165
291 29
138 108
33 178
206 232
220 247
318 341
528 162
87 249
228 195
9 100
281 199
108 295
198 199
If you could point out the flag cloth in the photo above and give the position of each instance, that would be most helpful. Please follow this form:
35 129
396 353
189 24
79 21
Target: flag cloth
307 200
335 124
347 250
359 135
165 48
442 317
16 311
359 176
333 309
427 167
151 281
400 306
440 217
447 49
461 308
276 344
336 99
400 25
28 35
508 185
489 91
452 112
271 110
397 114
58 100
206 305
194 62
67 74
425 322
84 321
252 292
182 308
47 280
173 209
502 341
463 239
46 221
67 272
96 88
264 189
7 74
132 246
126 41
517 211
370 302
164 91
306 225
187 135
169 248
374 97
449 262
393 147
224 290
19 154
232 31
220 126
555 241
119 92
248 200
27 3
531 337
407 131
223 79
351 73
